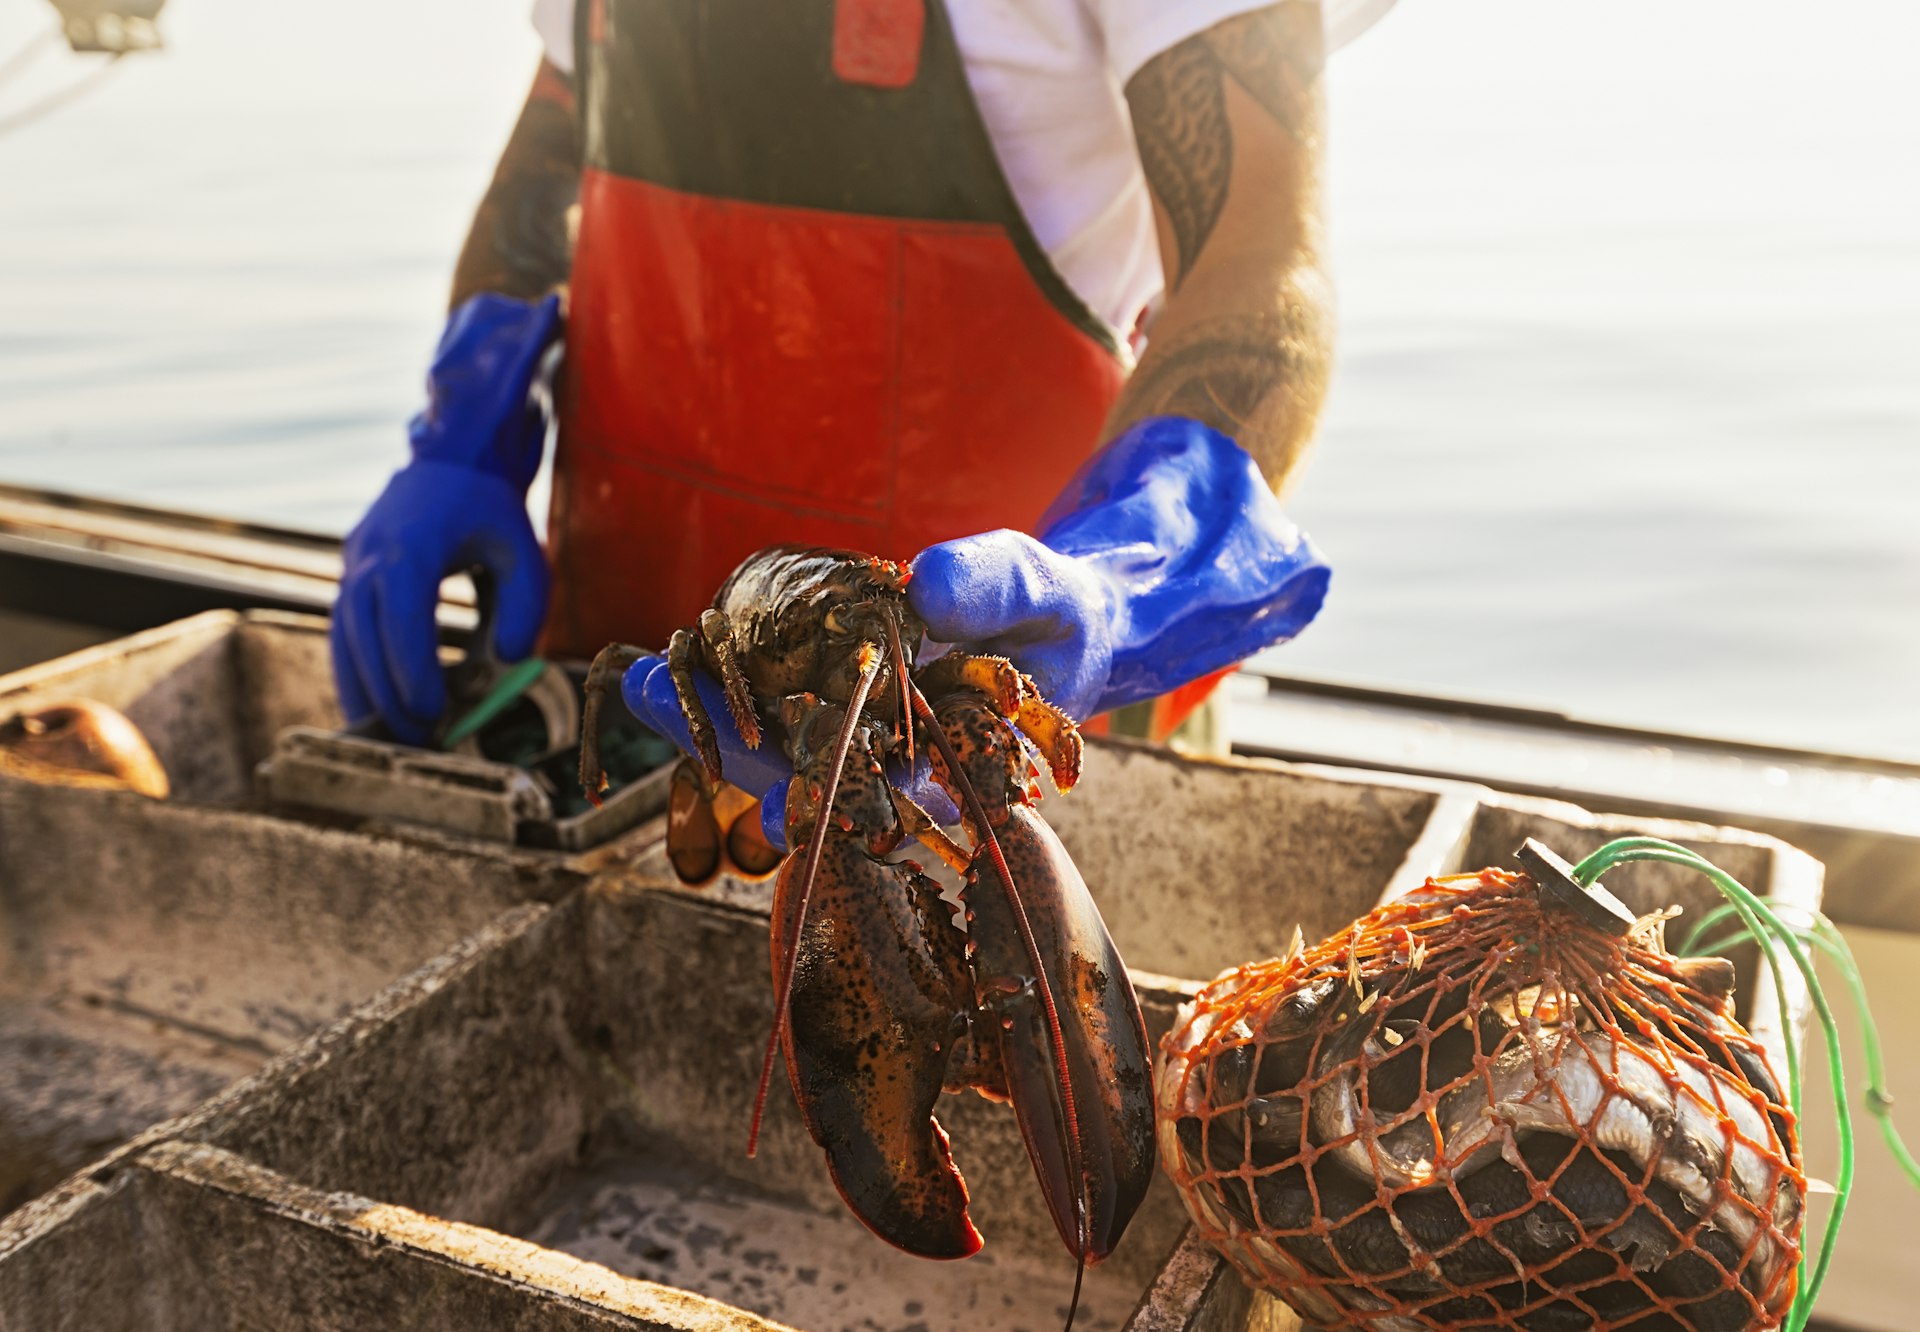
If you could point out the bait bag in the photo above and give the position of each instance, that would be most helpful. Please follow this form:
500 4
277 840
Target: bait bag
1479 1108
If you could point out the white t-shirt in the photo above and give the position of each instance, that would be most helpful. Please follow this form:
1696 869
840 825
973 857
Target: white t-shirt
1048 76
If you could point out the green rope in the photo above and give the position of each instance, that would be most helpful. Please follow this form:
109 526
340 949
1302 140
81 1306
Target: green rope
1691 947
1879 1101
1772 935
1823 934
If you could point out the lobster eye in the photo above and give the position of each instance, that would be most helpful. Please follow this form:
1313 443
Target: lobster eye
836 621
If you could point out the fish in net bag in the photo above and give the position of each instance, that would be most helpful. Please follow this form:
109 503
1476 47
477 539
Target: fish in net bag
1478 1109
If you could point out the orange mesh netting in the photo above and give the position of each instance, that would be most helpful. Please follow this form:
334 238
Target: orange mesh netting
1474 1110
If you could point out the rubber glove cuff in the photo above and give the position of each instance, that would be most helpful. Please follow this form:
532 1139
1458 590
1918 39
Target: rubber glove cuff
487 402
1166 557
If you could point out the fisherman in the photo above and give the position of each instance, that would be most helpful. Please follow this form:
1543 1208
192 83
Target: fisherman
873 274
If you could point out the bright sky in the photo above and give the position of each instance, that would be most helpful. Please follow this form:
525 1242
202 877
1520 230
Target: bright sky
279 53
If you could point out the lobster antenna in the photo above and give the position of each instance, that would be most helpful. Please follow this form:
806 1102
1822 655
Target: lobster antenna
1059 1042
869 668
902 710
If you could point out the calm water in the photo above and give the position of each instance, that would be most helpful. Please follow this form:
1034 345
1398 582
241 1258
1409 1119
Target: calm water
1627 420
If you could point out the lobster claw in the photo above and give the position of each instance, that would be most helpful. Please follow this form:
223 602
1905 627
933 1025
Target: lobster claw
867 1046
1089 1134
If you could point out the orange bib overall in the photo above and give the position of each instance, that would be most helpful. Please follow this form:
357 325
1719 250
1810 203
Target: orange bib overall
806 307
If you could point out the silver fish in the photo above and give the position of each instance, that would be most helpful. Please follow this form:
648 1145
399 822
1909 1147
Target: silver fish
1694 1122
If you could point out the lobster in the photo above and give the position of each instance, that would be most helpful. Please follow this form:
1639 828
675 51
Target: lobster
1030 1004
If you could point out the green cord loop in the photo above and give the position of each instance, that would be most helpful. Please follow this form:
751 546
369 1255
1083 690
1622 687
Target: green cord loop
1761 924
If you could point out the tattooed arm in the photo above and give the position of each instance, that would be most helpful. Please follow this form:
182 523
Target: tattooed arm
1230 127
519 245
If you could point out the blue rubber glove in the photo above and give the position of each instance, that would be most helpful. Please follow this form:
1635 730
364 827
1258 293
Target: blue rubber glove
461 502
765 772
1166 557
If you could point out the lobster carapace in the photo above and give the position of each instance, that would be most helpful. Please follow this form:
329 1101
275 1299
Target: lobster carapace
882 1000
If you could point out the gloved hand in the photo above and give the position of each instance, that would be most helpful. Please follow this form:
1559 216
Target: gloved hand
1167 557
765 772
461 502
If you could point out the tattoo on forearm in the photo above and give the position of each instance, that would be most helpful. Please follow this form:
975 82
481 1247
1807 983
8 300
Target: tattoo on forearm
1179 105
1180 120
520 244
1277 55
1224 372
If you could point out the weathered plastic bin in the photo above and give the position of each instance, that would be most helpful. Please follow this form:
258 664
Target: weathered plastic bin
153 951
544 1126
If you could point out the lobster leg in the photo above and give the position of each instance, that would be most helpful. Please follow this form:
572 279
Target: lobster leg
995 677
683 659
1054 735
1073 1044
919 824
603 678
717 631
1051 730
